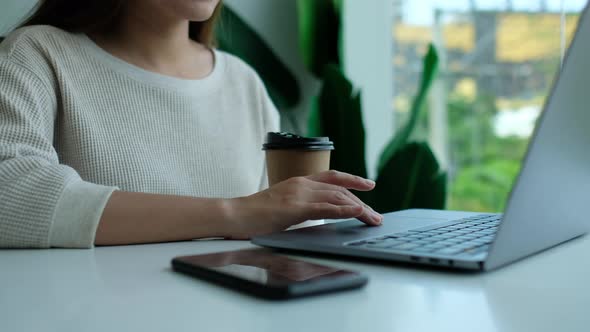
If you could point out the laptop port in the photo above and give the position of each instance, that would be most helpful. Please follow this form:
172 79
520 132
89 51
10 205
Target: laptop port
415 258
434 260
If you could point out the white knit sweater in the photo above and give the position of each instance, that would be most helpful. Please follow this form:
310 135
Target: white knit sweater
77 123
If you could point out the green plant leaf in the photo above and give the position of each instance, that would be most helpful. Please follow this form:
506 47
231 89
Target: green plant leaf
339 109
319 29
235 36
412 178
430 66
314 126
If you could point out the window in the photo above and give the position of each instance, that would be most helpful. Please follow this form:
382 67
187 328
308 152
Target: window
498 62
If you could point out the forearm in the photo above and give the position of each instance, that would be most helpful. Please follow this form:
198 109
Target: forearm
132 218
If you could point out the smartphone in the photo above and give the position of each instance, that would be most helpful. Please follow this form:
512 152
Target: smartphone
262 273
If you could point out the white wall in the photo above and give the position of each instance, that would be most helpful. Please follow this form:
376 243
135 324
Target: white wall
12 12
368 56
276 22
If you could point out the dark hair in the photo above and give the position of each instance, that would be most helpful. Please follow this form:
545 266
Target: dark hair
103 16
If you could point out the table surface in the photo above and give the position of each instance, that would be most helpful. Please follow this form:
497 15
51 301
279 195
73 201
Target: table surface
132 288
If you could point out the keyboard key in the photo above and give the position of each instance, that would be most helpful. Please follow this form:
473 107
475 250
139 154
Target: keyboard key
456 227
435 246
453 240
494 223
416 237
427 234
406 246
426 238
455 233
475 228
447 243
471 236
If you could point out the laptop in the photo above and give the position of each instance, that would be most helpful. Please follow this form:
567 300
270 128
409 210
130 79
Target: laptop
547 205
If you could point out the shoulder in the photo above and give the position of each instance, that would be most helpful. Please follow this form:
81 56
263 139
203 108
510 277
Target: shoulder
36 38
36 49
242 75
238 69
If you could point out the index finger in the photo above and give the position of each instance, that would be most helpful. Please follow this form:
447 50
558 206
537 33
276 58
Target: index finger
342 179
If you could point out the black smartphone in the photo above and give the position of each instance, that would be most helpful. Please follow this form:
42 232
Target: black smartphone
262 273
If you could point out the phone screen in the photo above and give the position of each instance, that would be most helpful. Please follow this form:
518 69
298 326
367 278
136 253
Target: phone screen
264 267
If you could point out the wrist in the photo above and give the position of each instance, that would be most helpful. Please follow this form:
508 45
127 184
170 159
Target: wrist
231 216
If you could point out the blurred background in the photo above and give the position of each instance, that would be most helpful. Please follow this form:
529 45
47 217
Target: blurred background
498 62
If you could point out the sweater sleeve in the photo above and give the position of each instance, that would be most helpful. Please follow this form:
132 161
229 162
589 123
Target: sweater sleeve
42 203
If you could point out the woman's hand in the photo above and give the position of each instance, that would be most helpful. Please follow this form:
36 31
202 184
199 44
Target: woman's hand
321 196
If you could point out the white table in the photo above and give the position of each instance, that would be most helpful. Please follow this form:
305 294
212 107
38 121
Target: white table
132 288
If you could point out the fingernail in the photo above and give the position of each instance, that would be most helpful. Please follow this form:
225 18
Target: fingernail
376 219
370 182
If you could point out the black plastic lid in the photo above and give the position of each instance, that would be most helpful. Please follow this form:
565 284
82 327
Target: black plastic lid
282 141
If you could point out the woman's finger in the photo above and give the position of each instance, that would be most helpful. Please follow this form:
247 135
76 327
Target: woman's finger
331 211
345 180
332 197
369 216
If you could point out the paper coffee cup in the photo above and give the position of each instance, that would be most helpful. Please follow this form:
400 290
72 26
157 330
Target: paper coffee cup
289 155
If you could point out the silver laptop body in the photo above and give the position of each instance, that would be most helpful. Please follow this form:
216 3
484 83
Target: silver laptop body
547 205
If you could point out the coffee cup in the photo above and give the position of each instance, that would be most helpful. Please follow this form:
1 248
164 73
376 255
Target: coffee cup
289 155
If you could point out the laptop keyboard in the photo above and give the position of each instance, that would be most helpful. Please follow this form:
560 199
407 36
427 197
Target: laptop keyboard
470 236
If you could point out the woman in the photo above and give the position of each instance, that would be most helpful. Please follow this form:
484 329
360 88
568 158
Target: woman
120 124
